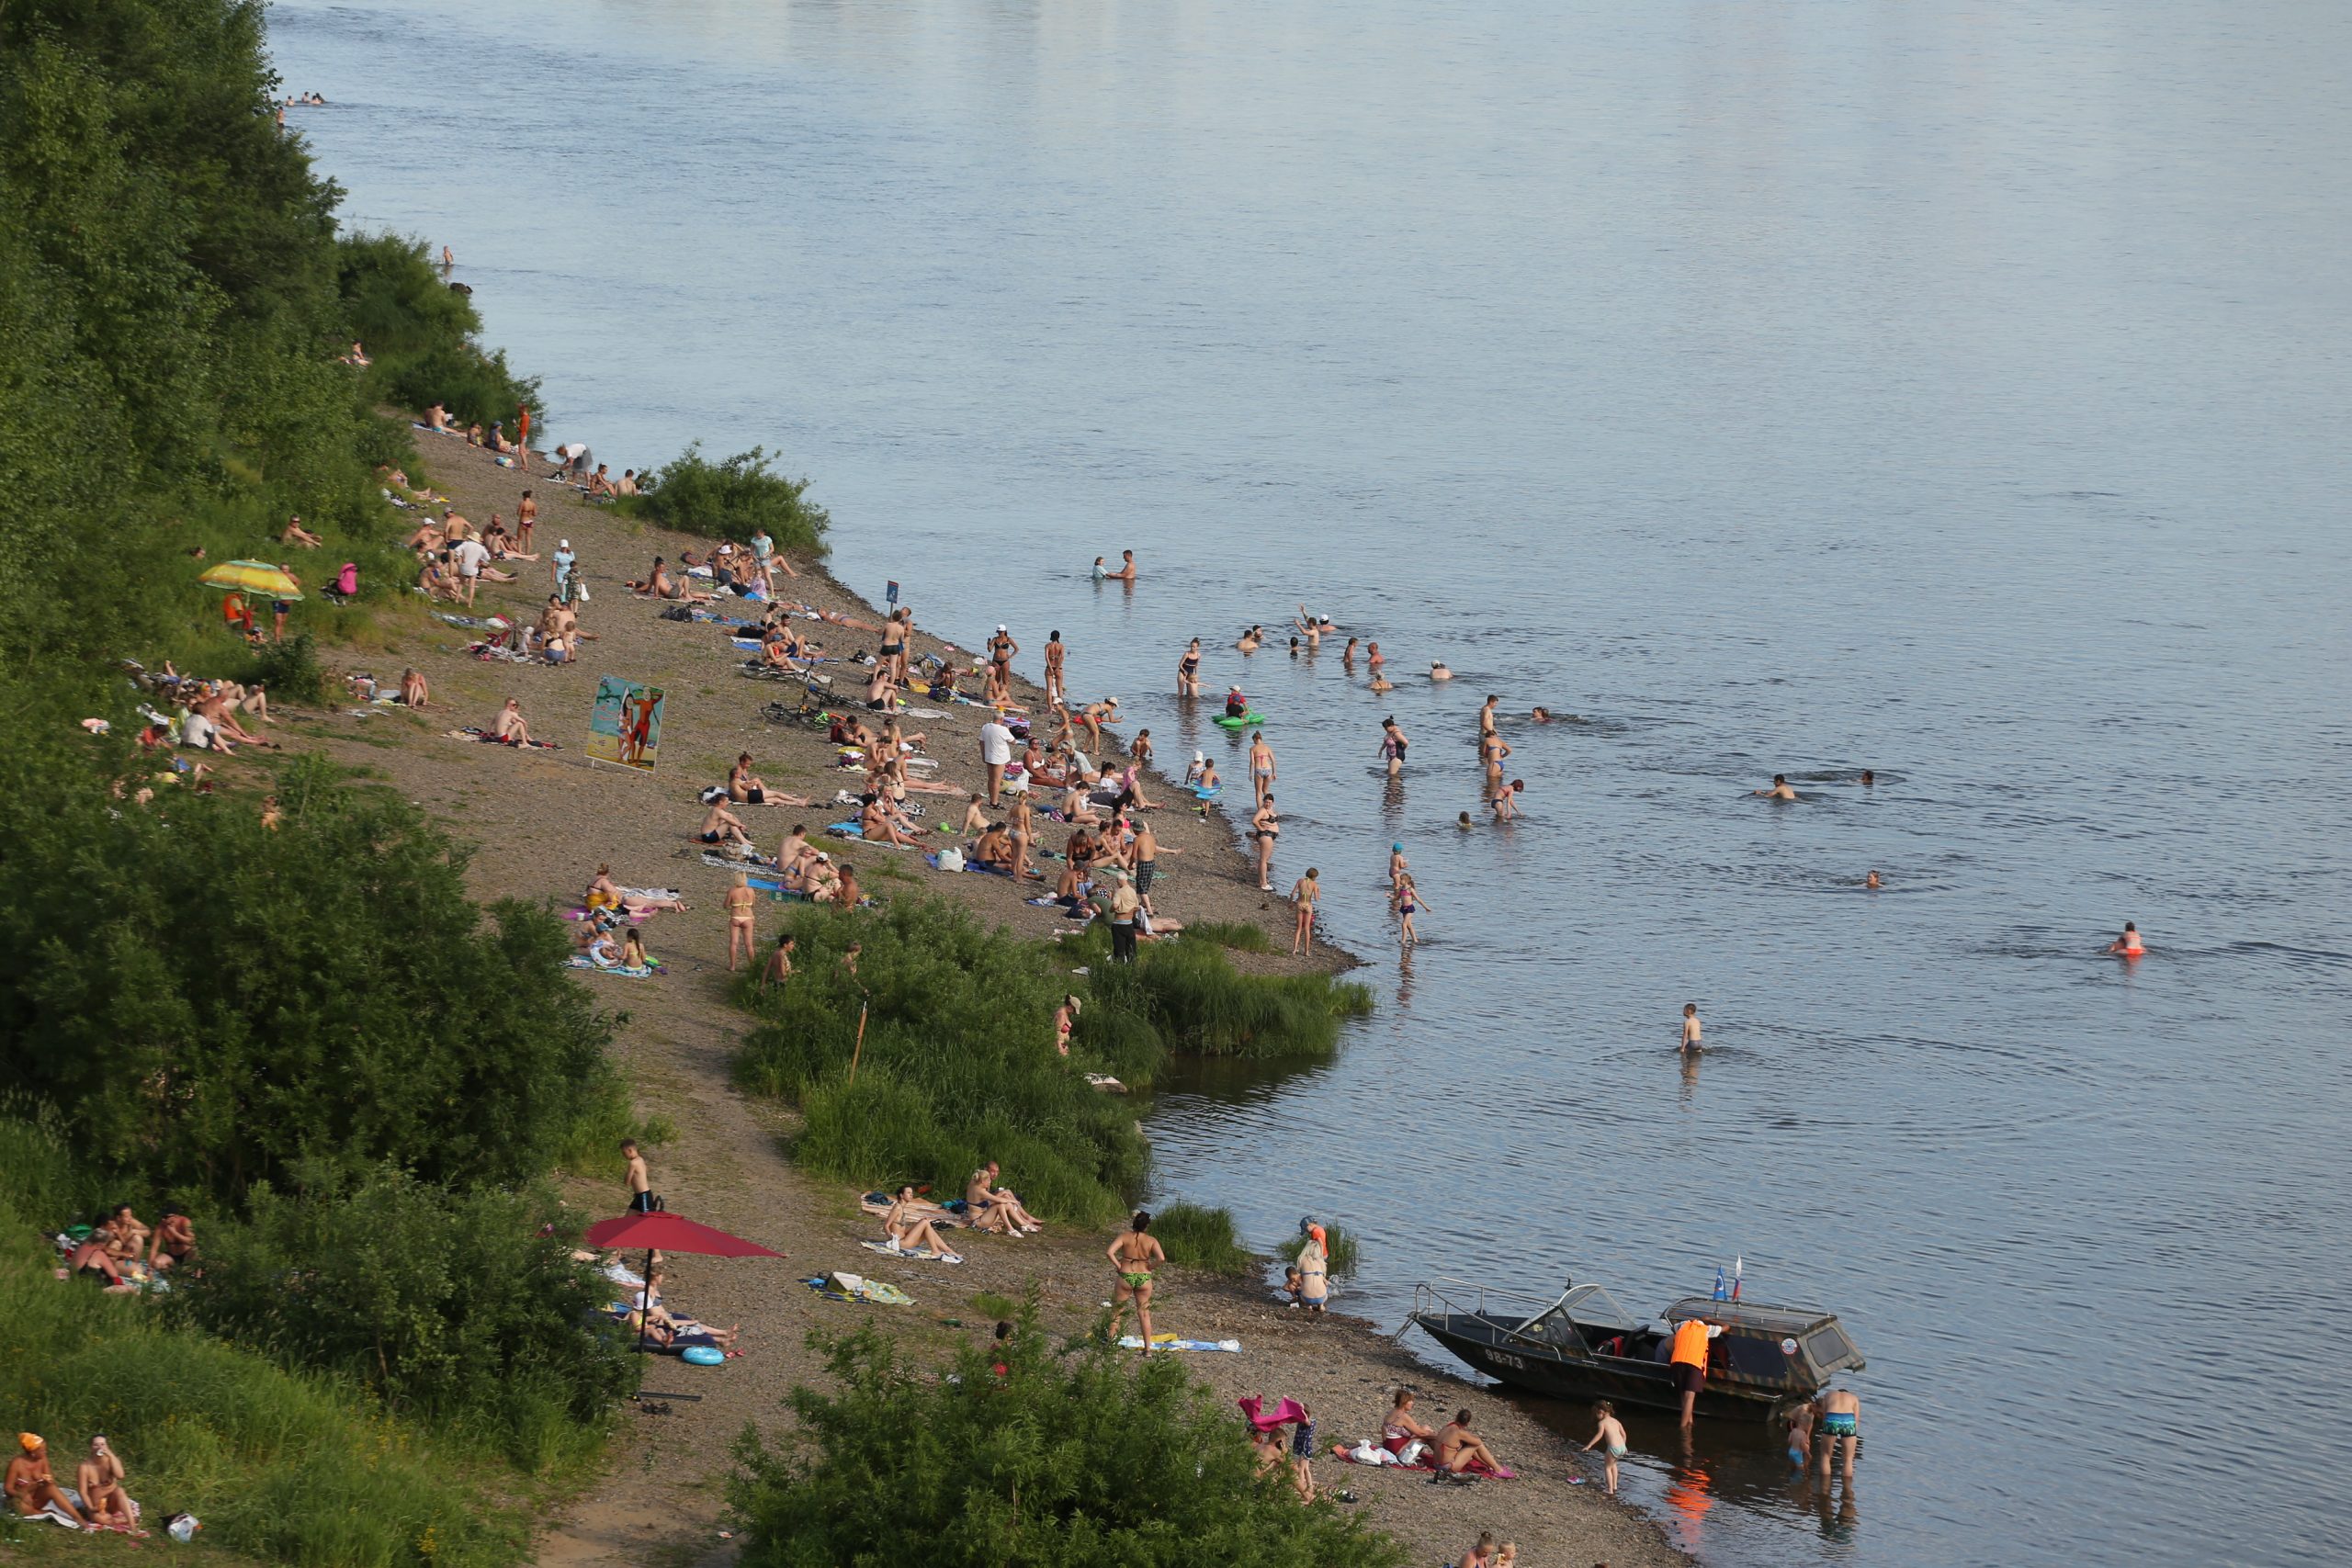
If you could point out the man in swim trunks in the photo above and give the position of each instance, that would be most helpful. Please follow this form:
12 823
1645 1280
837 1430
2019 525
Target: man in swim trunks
1132 1253
1780 790
1689 1029
1688 1362
1838 1427
1127 572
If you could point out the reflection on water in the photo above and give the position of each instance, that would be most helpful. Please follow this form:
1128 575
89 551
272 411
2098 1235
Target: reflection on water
1950 391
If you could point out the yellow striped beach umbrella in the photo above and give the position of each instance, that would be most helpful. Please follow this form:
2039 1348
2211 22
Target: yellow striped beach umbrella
255 577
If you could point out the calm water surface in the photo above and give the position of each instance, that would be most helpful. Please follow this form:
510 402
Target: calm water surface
1953 390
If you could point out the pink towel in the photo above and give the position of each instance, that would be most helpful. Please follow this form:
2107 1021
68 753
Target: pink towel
1288 1411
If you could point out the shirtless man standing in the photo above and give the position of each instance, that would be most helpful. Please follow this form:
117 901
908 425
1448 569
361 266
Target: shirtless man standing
1837 1427
1689 1044
640 1181
1132 1253
1127 572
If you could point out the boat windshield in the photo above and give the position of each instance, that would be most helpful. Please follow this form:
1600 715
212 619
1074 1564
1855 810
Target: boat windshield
1587 1307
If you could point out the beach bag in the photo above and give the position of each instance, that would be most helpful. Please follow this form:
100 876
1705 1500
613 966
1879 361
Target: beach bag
677 613
951 859
714 795
1411 1453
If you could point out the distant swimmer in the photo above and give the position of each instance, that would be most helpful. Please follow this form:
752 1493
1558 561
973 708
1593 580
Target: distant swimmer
1871 880
1397 865
1543 715
1690 1042
1438 671
1463 822
2128 944
1869 778
1348 654
1127 572
1101 572
1487 714
1393 743
447 260
1780 790
1376 661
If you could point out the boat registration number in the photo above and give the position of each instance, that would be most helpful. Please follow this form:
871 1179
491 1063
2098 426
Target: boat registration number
1505 1359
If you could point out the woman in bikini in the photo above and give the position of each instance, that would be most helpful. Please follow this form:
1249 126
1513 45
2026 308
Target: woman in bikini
633 953
1402 1428
1264 827
1188 672
1065 1020
1408 899
741 902
1132 1253
1262 765
909 1228
1314 1270
1304 893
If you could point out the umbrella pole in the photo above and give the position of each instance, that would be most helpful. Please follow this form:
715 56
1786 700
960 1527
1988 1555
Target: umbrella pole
645 1300
853 1050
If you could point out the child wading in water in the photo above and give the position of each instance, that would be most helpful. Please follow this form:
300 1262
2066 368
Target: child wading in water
1610 1433
1691 1029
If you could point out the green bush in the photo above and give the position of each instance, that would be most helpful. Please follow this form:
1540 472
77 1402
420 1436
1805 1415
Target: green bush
1200 1237
290 668
1063 1462
1338 1248
1198 1002
957 1066
732 499
420 333
206 1001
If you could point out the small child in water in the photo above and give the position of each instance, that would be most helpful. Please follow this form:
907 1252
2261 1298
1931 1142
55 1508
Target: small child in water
1292 1285
1691 1027
1611 1432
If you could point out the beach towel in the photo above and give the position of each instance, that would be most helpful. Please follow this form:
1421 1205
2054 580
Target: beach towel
920 1254
1169 1342
580 912
739 863
846 829
1425 1462
582 961
476 732
843 1286
1289 1410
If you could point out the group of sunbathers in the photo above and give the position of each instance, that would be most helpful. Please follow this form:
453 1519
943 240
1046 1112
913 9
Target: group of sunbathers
803 869
912 1224
122 1253
95 1501
644 1311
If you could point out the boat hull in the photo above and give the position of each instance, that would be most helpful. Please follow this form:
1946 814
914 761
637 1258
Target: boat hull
1478 1342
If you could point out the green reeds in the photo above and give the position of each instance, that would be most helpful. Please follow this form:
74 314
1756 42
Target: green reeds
1200 1237
1338 1248
1197 1001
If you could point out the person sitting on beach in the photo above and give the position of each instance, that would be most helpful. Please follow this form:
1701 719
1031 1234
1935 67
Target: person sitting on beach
174 1243
626 483
1076 810
294 534
992 1208
994 850
496 440
436 417
676 1332
358 356
877 823
793 855
501 544
509 725
881 691
722 826
32 1488
125 1234
599 484
821 880
1458 1448
414 694
1400 1429
1075 894
598 947
907 1228
99 1480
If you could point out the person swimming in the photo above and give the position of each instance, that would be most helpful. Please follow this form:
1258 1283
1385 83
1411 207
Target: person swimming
2128 944
1438 671
1780 790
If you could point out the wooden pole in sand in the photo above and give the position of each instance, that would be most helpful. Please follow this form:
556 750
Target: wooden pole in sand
853 1050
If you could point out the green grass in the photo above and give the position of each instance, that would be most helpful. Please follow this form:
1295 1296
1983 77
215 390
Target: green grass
1241 935
991 1306
1200 1237
1198 1002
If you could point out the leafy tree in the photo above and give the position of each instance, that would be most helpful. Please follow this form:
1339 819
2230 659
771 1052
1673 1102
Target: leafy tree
734 500
206 1001
1068 1462
449 1306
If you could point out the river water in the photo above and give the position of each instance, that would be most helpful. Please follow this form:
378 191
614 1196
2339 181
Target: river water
1952 390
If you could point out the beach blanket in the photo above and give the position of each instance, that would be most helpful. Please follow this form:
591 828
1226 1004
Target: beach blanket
1342 1451
739 863
1169 1342
842 1286
846 829
654 895
580 912
584 961
951 1212
476 732
920 1254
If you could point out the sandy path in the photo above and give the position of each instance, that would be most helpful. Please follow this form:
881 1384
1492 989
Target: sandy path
544 821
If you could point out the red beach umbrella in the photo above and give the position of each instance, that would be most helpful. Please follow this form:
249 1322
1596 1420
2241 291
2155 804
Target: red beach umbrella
661 1231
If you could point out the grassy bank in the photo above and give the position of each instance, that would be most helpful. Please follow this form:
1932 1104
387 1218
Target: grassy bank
956 1064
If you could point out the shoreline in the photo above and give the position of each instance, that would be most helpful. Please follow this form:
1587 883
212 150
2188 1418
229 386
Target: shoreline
544 821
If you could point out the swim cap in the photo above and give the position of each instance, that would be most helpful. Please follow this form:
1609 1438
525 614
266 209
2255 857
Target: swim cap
31 1442
1396 848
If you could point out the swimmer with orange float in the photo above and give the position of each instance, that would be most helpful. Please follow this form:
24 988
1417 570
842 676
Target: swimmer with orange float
2128 944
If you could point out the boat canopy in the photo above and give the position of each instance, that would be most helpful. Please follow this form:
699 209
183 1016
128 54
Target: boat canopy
1822 1336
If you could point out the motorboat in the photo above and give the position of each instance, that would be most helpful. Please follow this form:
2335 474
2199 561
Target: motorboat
1583 1344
